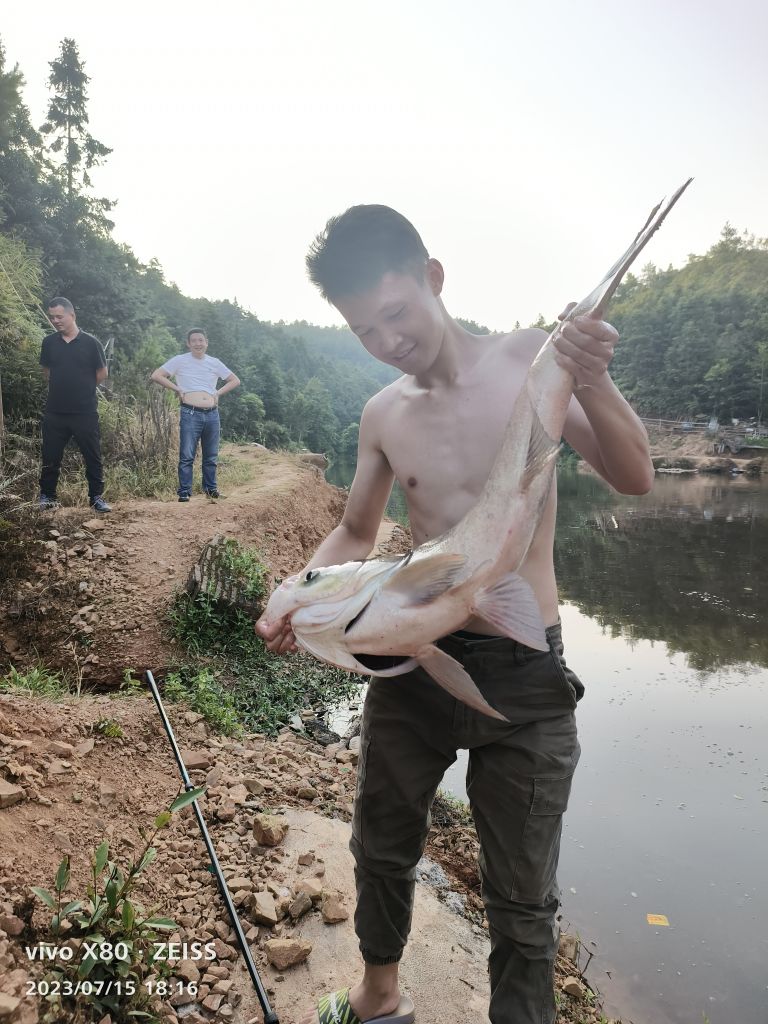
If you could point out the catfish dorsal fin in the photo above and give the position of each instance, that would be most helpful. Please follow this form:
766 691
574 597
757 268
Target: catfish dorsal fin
425 579
541 451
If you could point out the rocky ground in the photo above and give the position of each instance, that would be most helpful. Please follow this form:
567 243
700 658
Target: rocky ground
278 813
76 771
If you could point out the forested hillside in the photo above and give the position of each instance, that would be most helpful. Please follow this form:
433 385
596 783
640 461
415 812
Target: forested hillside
302 385
695 340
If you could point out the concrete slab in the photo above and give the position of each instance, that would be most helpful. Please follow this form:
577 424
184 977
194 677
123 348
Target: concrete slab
444 966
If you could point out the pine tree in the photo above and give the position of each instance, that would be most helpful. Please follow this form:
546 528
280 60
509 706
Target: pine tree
67 122
10 98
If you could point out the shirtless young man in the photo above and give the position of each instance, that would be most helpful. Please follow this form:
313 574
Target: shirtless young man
437 429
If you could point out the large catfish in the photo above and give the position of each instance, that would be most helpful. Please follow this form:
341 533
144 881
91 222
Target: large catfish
382 616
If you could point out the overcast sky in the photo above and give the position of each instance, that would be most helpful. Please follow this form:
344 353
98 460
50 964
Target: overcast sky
527 140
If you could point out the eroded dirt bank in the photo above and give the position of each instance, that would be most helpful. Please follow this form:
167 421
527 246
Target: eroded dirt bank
111 579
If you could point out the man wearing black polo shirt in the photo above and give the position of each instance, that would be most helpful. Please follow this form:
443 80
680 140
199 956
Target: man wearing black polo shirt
74 364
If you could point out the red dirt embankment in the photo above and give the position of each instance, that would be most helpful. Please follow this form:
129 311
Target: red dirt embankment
111 579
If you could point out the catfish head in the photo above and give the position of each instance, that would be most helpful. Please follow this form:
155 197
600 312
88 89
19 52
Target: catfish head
322 604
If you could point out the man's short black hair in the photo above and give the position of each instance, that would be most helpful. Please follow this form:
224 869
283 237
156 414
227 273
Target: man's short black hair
358 247
197 330
59 300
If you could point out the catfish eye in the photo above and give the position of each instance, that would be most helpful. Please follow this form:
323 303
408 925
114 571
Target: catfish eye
311 575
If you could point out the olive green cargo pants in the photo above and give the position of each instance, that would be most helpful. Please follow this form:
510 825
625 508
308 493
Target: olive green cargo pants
518 782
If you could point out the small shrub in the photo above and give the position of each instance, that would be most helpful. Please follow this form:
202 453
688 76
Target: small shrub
108 728
206 695
263 689
448 811
245 569
111 937
130 684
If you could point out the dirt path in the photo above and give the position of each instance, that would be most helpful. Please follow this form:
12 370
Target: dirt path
111 579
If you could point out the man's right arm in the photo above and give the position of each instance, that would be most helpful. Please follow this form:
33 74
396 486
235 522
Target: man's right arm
163 377
354 537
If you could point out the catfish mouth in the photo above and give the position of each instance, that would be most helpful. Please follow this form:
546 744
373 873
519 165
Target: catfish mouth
375 662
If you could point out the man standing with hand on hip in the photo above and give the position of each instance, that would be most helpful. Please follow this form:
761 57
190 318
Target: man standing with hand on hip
196 375
74 365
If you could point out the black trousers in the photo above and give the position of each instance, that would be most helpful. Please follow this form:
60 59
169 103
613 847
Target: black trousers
57 431
518 784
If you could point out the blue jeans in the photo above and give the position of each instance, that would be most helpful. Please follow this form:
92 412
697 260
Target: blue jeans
195 425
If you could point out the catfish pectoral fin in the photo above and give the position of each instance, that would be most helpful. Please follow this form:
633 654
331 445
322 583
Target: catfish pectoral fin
511 606
446 671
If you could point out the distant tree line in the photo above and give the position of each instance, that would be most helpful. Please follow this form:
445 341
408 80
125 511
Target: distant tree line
302 385
694 340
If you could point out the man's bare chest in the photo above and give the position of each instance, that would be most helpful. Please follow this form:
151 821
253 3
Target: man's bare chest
442 446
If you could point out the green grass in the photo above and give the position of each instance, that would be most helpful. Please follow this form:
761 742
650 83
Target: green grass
35 682
244 567
228 676
109 728
202 691
144 479
448 810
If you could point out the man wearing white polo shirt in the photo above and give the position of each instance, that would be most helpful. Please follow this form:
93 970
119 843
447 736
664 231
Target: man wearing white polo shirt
196 376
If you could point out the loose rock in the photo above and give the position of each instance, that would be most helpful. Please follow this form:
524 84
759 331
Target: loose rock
269 830
285 953
332 908
573 987
313 887
8 1005
263 909
569 946
10 794
195 759
300 905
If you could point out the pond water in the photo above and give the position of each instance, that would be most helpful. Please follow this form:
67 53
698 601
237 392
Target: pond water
341 474
664 619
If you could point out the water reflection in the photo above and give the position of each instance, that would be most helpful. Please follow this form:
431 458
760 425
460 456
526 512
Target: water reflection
684 565
341 473
663 618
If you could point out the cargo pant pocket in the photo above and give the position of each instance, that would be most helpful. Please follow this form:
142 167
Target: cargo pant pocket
536 866
569 680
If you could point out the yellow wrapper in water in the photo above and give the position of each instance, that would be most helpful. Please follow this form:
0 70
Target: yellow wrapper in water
660 919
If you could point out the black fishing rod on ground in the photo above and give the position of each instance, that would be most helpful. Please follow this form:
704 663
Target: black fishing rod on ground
270 1017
